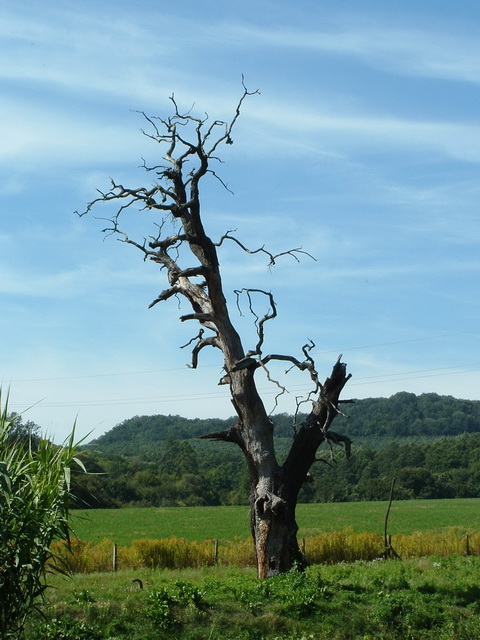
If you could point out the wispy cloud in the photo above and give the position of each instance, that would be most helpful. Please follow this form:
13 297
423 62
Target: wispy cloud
136 57
102 60
413 51
85 280
39 136
347 133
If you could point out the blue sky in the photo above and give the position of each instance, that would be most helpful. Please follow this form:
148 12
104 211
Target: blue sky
363 147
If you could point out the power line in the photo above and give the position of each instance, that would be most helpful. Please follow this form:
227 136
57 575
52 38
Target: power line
183 368
124 401
386 344
430 375
101 375
380 379
416 371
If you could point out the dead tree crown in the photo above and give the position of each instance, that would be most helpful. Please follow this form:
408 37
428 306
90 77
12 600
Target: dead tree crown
189 145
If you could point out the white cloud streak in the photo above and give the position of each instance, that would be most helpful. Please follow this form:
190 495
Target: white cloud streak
410 51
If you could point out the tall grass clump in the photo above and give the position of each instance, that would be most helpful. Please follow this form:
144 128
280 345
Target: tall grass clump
79 556
343 546
34 507
238 552
449 543
174 553
349 546
167 553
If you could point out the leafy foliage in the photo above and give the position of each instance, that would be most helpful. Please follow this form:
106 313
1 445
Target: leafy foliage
34 505
134 459
66 629
406 415
400 416
164 605
25 433
325 548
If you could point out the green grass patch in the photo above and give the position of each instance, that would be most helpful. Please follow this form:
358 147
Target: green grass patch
422 599
192 523
406 516
230 522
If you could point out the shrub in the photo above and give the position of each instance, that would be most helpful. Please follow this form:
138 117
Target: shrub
165 606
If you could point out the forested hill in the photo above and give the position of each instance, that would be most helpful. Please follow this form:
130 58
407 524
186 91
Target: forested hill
403 415
430 444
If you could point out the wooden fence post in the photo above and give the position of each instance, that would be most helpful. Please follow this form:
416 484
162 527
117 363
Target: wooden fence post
115 557
215 552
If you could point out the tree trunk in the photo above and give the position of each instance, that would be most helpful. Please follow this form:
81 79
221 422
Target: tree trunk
275 488
274 532
274 496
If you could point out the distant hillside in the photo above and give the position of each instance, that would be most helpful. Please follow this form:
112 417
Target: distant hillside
406 414
429 443
403 415
142 433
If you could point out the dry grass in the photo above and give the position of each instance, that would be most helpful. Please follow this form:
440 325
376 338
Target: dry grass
327 548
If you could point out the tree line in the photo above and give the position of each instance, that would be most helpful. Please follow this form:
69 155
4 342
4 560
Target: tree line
132 463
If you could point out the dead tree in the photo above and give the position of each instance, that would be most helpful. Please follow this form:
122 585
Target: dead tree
190 145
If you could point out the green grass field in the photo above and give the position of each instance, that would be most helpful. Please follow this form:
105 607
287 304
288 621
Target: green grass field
421 599
226 523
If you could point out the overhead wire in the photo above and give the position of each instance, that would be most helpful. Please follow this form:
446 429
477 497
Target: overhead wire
378 379
383 378
169 369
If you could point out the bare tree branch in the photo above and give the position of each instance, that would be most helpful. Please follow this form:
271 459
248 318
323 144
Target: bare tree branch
273 257
228 435
259 322
165 295
202 342
201 317
339 439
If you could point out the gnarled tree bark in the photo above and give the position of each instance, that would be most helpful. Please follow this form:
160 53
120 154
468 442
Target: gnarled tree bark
175 194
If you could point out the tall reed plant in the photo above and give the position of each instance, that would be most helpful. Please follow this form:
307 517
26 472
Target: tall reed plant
34 507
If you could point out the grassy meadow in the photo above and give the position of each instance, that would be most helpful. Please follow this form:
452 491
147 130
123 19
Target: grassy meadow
418 599
167 585
228 523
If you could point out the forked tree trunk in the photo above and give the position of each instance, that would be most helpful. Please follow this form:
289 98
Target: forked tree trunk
275 488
